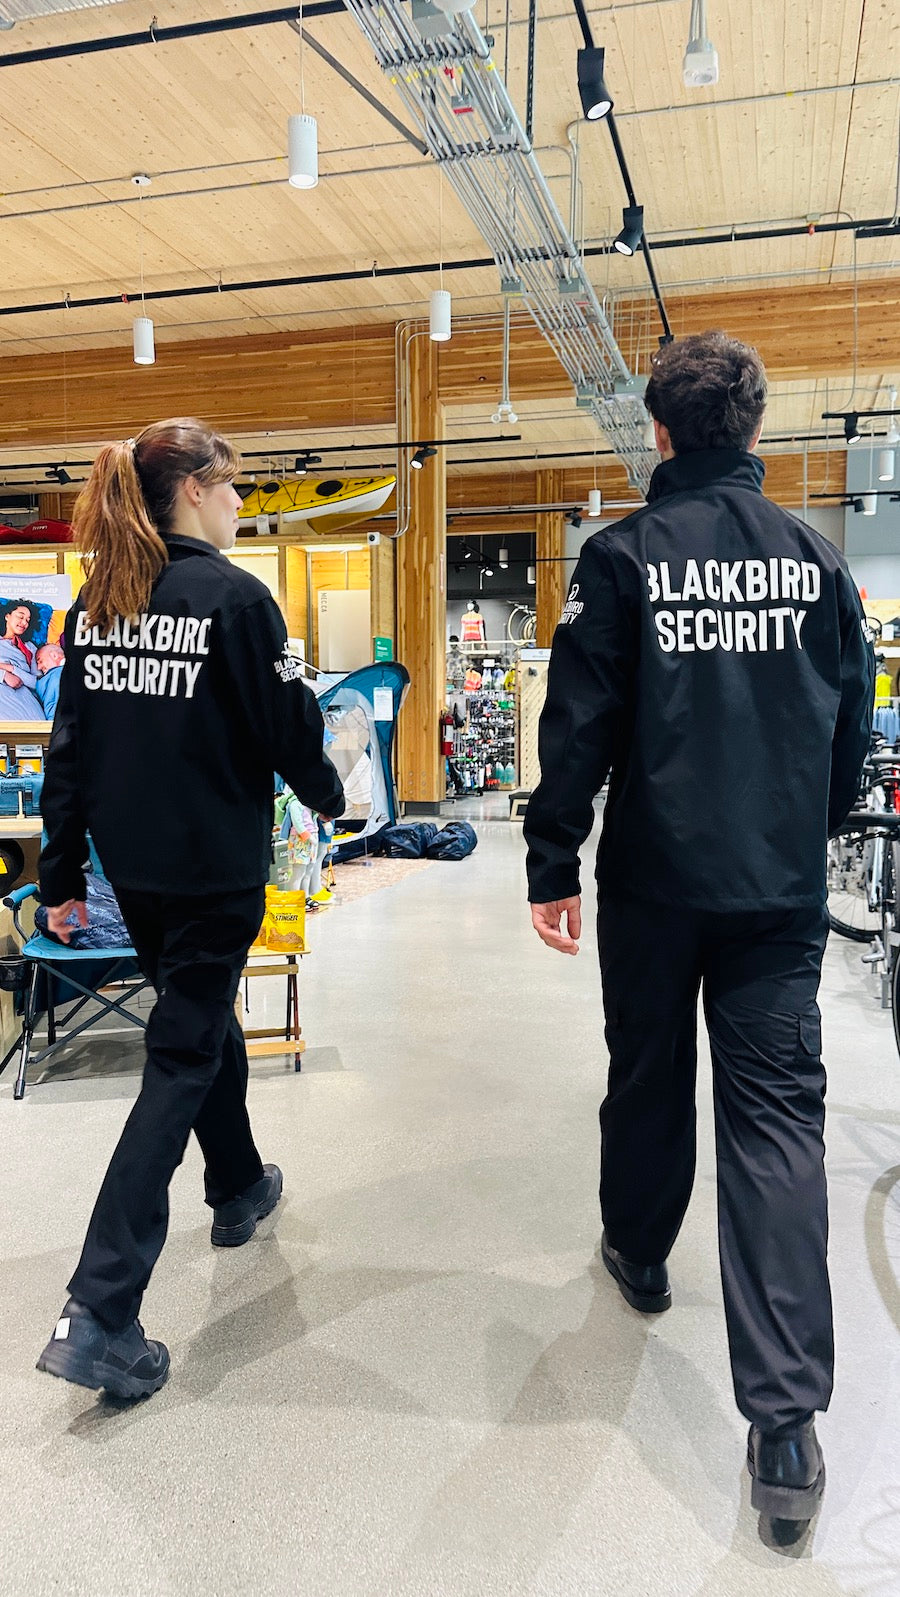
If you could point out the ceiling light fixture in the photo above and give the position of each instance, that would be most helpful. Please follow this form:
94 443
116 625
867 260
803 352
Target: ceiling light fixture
870 504
142 340
531 576
576 518
421 455
595 502
439 316
303 133
700 67
596 100
851 427
489 571
632 230
504 559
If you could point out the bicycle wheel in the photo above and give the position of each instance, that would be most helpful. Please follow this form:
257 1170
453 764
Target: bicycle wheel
895 1001
849 863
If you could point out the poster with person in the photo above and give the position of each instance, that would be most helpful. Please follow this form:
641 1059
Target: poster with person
32 616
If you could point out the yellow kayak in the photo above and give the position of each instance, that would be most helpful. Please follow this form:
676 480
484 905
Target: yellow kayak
327 503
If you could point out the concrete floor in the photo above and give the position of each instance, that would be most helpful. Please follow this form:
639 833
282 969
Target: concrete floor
415 1380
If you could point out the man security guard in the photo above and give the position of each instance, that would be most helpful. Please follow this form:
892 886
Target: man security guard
713 657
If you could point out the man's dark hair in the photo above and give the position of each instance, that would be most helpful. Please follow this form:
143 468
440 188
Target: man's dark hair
709 391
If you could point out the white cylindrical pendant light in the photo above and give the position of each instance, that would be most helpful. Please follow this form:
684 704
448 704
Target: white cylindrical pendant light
886 465
870 504
532 576
303 152
595 502
439 316
504 559
144 348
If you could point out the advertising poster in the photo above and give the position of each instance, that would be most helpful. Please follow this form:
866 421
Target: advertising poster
32 616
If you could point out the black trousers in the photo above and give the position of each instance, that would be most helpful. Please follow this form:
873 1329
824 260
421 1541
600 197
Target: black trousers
760 975
195 1078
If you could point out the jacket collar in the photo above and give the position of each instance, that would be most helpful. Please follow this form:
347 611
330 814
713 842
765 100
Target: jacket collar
179 547
703 467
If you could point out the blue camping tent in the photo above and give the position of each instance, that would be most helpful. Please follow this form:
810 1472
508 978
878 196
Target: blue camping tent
359 738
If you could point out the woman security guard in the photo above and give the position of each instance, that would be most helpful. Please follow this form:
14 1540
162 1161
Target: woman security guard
178 702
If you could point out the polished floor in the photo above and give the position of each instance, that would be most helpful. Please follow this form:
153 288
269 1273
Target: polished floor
416 1381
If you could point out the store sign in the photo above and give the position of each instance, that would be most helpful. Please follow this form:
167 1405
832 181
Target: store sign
384 649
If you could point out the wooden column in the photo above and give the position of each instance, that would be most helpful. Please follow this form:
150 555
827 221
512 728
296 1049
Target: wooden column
421 592
551 547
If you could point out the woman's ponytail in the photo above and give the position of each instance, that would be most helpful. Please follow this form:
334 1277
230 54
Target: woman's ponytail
121 550
129 505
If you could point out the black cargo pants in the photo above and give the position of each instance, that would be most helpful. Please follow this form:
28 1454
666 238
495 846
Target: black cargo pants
760 975
195 1078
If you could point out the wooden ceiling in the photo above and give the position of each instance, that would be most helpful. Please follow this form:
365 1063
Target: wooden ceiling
803 123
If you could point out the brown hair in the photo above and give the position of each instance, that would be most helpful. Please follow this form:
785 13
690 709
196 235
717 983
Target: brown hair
127 505
709 391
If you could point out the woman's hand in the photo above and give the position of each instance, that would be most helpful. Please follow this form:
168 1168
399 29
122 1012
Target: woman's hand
12 681
57 917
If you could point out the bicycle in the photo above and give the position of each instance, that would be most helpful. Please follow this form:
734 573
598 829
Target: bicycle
858 859
870 840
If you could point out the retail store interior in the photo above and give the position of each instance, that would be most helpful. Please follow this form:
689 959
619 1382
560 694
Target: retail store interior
415 261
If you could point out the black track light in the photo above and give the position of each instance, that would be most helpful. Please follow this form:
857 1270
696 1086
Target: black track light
468 554
421 455
575 518
300 466
58 474
489 571
632 230
596 100
851 428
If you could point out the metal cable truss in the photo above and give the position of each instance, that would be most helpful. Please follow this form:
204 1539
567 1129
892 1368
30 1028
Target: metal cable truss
455 95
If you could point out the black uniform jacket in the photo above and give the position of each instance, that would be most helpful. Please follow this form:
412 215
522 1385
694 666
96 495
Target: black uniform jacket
168 732
713 657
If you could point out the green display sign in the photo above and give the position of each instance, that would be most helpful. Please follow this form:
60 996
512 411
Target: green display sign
384 649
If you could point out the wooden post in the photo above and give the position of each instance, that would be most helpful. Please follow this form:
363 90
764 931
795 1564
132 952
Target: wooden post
551 547
421 592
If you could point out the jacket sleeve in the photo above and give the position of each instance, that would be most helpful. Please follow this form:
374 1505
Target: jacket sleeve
278 705
853 728
61 867
591 670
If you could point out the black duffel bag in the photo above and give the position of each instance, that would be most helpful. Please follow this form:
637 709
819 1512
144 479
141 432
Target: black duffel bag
455 841
408 842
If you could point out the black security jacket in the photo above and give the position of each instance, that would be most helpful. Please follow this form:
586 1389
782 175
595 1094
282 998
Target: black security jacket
168 732
712 659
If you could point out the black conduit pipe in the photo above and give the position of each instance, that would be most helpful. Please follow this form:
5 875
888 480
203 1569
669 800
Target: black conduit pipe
182 30
411 269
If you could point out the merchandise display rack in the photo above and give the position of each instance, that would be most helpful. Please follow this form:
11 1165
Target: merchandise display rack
483 758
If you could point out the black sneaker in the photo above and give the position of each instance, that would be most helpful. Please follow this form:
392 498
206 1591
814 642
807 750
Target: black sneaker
125 1363
787 1471
644 1286
235 1222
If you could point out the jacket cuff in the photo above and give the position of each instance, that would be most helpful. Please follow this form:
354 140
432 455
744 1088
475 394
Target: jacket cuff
551 886
60 884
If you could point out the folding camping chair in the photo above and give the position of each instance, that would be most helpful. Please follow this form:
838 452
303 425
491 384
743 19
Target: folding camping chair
86 972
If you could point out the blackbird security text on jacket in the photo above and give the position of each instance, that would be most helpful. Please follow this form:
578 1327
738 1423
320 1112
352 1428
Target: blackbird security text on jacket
148 667
763 625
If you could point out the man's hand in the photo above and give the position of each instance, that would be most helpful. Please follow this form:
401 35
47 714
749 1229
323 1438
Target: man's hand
547 918
57 917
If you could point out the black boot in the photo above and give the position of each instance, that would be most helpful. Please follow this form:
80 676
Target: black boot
787 1470
235 1222
644 1286
124 1363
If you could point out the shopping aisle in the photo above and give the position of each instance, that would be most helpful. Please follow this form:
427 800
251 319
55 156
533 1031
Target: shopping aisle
417 1381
